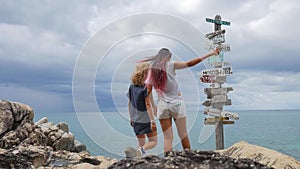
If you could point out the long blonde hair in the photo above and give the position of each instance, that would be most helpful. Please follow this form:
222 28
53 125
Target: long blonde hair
139 75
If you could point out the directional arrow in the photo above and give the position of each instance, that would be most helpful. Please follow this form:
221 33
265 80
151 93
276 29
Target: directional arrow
230 115
224 47
213 79
217 91
213 34
209 103
219 98
217 21
218 39
220 64
217 71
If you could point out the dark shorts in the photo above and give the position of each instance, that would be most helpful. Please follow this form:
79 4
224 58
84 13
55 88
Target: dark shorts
141 128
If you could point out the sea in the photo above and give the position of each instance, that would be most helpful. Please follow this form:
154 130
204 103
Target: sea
109 133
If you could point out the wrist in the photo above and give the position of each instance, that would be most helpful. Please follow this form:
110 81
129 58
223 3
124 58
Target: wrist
201 58
152 121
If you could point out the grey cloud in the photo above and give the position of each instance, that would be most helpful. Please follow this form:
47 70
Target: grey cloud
40 42
63 17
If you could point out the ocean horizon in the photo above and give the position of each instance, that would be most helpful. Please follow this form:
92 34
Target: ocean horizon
109 133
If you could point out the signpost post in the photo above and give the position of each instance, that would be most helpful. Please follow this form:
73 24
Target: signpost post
217 94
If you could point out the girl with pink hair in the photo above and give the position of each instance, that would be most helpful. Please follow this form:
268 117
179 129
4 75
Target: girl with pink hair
170 102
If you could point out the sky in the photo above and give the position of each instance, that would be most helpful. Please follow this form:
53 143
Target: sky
43 41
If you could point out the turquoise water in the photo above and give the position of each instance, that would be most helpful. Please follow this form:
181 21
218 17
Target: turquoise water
275 129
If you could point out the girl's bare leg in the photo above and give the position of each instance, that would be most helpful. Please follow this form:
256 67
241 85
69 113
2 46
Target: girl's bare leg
182 132
141 139
166 125
152 140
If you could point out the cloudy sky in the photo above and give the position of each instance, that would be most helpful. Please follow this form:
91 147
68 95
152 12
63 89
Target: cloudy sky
41 42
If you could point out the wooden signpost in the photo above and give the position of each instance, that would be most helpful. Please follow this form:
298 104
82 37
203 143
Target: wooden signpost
216 94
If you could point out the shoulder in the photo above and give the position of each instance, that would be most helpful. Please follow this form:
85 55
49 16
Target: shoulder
170 64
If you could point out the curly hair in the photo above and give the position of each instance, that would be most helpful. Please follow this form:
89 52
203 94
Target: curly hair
139 75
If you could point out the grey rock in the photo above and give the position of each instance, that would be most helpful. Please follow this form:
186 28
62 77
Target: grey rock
188 159
21 112
53 128
10 160
25 144
6 120
78 147
260 154
66 142
42 121
63 126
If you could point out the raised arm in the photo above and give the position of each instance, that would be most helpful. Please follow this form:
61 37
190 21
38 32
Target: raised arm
182 65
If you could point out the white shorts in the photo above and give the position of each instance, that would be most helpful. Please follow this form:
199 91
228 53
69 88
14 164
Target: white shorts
175 109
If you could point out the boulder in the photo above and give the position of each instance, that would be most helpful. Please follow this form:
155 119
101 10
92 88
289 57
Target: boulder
36 155
262 155
17 127
65 142
78 146
9 160
6 117
6 120
63 126
42 121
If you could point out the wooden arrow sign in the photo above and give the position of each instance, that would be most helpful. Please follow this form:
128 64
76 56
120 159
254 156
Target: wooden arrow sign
217 71
213 34
220 64
213 121
213 79
209 103
219 98
217 21
220 113
230 115
217 91
212 111
224 47
218 39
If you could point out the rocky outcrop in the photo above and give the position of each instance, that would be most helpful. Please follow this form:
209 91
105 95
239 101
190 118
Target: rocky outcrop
30 156
17 127
262 155
25 144
189 159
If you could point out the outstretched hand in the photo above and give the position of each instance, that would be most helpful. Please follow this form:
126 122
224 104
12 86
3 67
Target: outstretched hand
217 51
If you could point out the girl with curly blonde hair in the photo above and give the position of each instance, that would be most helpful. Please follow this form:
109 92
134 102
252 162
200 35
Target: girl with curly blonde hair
142 111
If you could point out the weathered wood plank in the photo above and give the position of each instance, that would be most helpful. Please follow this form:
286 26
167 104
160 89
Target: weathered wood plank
219 98
216 91
228 122
214 34
216 119
213 79
231 115
209 103
220 64
214 123
217 71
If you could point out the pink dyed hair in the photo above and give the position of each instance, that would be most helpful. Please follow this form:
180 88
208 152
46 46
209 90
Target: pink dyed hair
157 75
